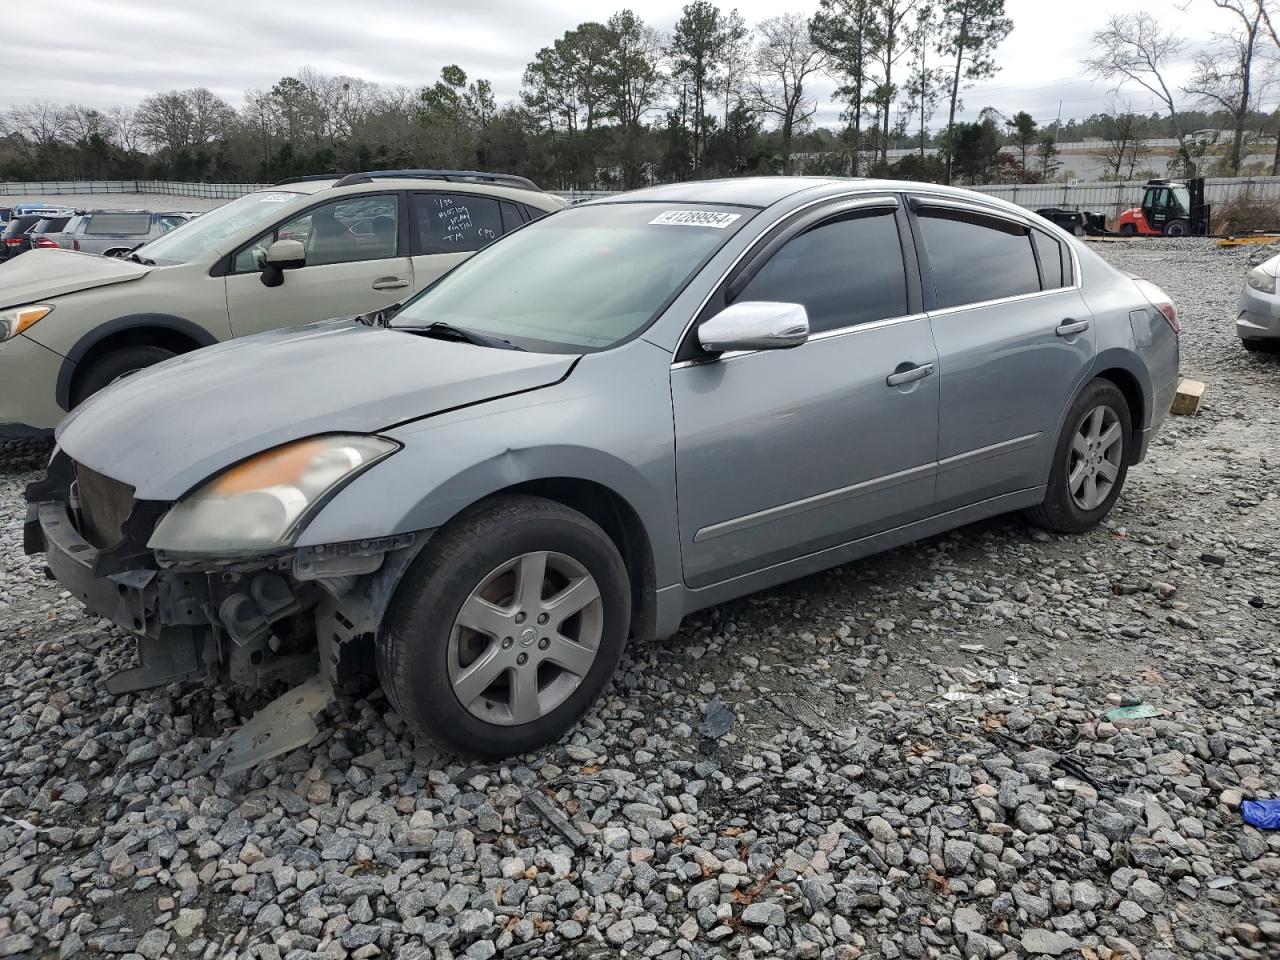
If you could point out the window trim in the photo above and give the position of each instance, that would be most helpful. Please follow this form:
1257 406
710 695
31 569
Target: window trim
773 238
228 263
918 200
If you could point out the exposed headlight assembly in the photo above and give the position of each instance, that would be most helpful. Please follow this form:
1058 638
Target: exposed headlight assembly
1261 281
261 503
16 319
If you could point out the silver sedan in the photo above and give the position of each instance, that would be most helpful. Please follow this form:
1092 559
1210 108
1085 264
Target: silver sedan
1258 319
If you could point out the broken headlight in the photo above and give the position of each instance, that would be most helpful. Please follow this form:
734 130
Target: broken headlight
260 503
17 319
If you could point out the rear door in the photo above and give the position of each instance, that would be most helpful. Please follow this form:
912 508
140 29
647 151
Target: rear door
448 227
1014 341
356 263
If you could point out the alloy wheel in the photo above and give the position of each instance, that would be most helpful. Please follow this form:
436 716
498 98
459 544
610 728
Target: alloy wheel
525 638
1097 451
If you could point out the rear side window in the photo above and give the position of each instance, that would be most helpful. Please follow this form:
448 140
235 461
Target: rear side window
1051 254
845 272
456 222
976 258
118 224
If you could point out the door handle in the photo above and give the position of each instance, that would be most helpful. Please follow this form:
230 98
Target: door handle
918 372
390 283
1068 327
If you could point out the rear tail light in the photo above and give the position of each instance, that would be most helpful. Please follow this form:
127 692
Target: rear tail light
1160 300
13 241
45 243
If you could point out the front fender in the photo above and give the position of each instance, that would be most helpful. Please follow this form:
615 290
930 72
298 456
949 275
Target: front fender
609 424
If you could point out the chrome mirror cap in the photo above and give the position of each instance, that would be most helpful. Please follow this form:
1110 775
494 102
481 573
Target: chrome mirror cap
755 325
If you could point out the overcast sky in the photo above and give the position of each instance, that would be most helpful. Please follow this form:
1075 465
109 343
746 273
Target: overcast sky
114 52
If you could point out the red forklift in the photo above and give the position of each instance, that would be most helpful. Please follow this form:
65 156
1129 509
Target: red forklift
1169 209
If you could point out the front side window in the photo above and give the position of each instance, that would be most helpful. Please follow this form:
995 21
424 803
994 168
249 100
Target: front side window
345 231
975 258
207 233
456 222
584 279
844 272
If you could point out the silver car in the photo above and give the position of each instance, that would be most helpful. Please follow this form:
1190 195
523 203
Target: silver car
116 232
1258 319
616 415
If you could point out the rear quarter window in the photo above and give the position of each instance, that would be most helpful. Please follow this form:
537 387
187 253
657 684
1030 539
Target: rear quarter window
118 224
1052 256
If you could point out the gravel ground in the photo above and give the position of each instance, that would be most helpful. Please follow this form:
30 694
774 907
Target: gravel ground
919 764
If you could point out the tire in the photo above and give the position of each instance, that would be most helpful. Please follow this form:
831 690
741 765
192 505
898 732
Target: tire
1063 510
1177 228
467 564
116 364
1128 230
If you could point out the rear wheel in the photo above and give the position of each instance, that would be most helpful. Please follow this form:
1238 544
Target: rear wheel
118 363
1128 230
1090 462
1176 228
506 629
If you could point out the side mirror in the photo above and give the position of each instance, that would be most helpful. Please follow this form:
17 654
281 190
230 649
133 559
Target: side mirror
280 256
755 325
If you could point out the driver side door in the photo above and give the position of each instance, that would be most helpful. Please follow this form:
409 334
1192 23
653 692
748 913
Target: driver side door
784 453
356 262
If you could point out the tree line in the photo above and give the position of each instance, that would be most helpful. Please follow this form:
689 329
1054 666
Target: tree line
618 103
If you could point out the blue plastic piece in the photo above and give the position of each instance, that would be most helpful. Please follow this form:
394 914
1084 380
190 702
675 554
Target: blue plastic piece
1263 814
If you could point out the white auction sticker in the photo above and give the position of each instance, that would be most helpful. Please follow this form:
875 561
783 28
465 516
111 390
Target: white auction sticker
696 218
277 197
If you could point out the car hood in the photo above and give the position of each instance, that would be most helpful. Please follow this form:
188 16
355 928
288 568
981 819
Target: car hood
43 274
167 429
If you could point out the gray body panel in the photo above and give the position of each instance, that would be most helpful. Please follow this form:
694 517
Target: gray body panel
212 408
784 452
743 472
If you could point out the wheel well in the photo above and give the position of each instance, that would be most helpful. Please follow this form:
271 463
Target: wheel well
619 520
165 337
1128 385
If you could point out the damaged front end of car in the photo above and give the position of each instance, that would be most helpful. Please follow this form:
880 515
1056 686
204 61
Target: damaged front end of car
243 613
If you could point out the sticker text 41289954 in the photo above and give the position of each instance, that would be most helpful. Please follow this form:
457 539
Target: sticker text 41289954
695 218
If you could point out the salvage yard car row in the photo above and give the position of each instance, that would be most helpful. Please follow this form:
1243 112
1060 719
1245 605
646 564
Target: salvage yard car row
615 416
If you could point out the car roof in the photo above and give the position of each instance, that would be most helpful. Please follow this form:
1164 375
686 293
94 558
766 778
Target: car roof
768 190
534 198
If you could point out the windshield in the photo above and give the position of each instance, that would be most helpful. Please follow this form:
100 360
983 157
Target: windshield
202 236
1179 202
584 279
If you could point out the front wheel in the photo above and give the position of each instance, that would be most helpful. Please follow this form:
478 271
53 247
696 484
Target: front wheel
1176 228
1090 462
506 629
107 369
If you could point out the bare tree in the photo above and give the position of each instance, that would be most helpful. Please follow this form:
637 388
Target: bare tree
1224 79
1121 139
123 129
785 58
1135 48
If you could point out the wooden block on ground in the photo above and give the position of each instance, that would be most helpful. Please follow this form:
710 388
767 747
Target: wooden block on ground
1188 398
